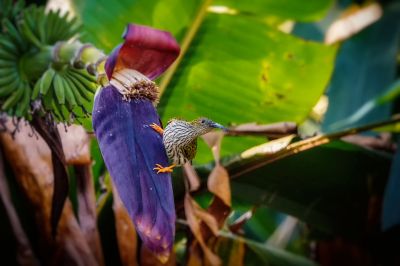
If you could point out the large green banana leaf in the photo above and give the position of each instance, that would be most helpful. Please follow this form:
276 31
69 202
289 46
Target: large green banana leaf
235 68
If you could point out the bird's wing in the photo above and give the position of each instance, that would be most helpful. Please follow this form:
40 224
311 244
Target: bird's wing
190 150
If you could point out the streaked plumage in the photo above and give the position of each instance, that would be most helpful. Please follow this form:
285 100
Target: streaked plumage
180 140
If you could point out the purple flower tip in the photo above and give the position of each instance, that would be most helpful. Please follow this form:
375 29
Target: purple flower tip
147 50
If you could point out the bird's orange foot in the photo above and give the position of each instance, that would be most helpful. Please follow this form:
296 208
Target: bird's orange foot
160 169
157 128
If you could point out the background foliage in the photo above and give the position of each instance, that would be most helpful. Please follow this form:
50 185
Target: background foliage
260 61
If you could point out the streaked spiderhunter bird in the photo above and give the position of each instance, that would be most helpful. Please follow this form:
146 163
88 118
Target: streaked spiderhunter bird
180 140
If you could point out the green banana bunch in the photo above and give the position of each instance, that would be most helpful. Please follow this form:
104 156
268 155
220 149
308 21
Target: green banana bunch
68 88
42 28
39 63
10 8
14 90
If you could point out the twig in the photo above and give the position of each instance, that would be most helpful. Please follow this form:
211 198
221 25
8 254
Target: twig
272 131
308 144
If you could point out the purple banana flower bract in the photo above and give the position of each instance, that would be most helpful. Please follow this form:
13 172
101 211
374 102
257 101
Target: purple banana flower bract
130 147
145 49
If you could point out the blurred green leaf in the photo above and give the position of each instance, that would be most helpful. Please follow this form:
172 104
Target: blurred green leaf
261 254
310 179
386 97
262 223
289 9
365 66
240 70
391 211
313 185
104 21
395 128
231 251
236 68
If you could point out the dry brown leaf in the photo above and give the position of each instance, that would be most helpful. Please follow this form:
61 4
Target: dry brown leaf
268 148
218 180
25 255
213 140
147 258
205 217
237 253
87 209
75 142
237 225
275 130
218 184
194 256
378 143
354 20
220 211
232 251
30 159
192 177
126 232
194 223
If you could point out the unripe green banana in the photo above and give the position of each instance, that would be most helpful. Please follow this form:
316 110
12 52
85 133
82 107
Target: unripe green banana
46 80
59 89
27 32
7 71
85 74
71 85
8 46
7 55
6 79
85 93
23 105
7 89
13 33
7 63
86 80
36 89
69 95
14 98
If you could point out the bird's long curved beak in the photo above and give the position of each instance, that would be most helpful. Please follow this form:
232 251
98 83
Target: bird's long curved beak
216 125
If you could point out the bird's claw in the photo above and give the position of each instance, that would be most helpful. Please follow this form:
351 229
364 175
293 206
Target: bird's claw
160 169
157 128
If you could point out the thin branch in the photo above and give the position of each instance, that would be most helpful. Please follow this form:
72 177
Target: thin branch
310 143
272 131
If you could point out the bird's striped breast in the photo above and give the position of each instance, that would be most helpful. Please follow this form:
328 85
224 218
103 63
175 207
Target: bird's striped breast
180 142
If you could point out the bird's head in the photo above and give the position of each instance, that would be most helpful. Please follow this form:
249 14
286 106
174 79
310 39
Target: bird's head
204 125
